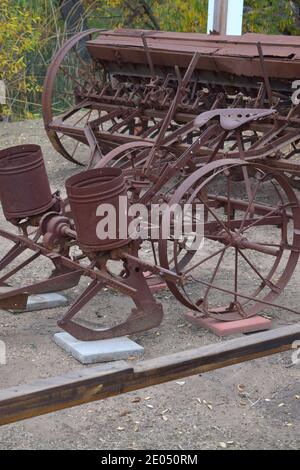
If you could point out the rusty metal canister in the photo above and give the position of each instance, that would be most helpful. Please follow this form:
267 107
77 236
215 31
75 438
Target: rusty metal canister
89 192
24 185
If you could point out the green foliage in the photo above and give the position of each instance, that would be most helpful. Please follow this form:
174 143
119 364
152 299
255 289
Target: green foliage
19 36
31 31
171 15
176 15
272 16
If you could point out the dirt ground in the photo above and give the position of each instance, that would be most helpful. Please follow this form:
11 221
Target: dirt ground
250 406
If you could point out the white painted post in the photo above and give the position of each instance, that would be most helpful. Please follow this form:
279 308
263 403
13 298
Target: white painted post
235 17
225 17
210 16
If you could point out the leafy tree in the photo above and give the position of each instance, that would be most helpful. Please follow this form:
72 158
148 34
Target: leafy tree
177 15
272 16
174 15
31 31
18 38
73 15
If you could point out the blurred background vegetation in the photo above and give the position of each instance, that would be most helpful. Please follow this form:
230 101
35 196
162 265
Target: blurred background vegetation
31 31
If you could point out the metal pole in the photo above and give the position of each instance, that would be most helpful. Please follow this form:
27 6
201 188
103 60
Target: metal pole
220 16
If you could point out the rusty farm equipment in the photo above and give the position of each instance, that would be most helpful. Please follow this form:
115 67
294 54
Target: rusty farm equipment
239 226
163 118
105 89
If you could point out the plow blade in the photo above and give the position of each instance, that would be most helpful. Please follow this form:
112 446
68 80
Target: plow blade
17 302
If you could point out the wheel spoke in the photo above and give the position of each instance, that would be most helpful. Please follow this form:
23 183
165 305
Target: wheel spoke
265 216
65 72
221 251
229 191
243 296
220 222
236 264
251 265
241 148
214 274
88 113
250 205
75 149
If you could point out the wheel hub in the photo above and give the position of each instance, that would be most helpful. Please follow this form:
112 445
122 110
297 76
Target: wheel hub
234 239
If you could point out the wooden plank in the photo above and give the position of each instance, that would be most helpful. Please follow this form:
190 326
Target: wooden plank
56 393
100 382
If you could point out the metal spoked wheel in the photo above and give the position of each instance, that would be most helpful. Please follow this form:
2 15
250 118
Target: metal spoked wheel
251 245
71 76
131 158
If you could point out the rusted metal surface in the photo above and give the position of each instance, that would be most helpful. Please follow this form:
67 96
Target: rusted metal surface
86 192
131 80
232 224
177 119
25 189
50 89
167 49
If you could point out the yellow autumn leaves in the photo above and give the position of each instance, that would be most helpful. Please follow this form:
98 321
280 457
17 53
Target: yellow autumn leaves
18 36
174 15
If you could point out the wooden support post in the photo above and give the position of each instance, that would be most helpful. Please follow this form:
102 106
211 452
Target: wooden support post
97 383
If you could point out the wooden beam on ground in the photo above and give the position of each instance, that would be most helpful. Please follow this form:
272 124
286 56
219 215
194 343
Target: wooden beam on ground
97 383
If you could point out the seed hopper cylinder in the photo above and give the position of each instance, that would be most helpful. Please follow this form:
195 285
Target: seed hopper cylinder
89 194
24 185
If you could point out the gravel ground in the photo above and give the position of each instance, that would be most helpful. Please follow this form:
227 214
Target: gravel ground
250 406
